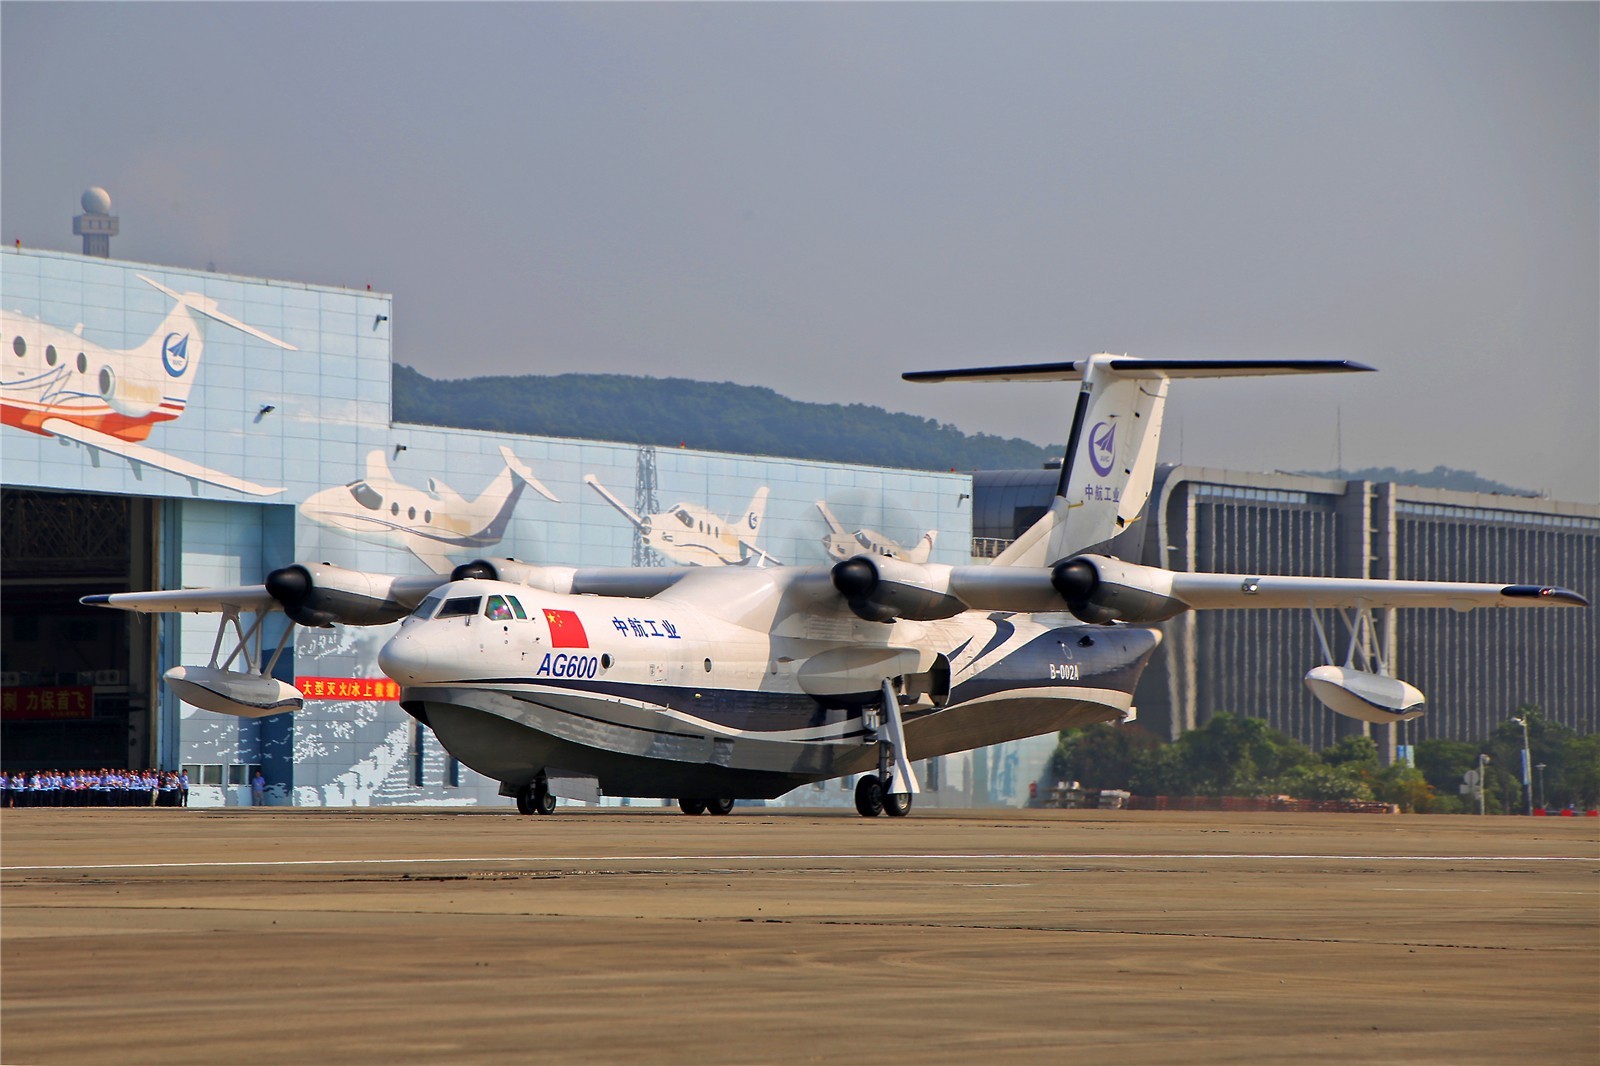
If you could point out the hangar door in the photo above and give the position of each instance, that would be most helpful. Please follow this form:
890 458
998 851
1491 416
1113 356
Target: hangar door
75 681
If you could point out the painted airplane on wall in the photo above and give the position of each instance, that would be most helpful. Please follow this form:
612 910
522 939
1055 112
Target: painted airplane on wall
842 543
430 523
714 684
691 535
59 384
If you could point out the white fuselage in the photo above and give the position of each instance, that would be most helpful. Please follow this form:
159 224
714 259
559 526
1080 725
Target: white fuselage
647 694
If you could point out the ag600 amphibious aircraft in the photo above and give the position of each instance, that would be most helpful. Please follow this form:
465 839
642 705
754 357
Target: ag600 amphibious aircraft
714 684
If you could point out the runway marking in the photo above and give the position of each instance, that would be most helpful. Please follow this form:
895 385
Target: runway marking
820 857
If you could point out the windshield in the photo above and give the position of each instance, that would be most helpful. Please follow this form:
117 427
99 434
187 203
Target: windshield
366 495
460 606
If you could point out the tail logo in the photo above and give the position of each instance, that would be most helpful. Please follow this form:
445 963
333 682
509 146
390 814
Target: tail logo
175 353
1102 447
754 519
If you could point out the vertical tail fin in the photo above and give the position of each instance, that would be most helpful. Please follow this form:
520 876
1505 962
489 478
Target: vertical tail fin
1110 459
754 514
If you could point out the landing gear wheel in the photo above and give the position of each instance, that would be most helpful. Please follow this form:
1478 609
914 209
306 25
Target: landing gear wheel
535 798
719 806
897 804
869 796
692 806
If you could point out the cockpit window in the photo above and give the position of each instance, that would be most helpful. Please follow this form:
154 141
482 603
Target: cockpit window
366 495
460 606
685 518
516 605
498 609
423 612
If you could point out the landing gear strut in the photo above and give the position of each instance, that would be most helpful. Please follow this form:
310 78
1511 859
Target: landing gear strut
535 798
888 791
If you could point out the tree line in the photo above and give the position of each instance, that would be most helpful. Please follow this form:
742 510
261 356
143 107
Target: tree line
712 416
1233 755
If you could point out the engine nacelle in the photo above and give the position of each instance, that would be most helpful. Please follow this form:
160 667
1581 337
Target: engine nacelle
881 589
1101 590
545 578
1365 697
321 594
127 396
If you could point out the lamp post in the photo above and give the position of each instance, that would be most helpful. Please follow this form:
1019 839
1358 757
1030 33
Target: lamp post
1483 762
1527 776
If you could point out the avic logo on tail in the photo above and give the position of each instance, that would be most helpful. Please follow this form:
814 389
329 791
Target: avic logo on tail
1102 447
175 354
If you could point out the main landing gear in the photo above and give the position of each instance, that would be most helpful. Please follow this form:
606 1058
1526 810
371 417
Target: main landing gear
872 800
535 798
889 791
705 806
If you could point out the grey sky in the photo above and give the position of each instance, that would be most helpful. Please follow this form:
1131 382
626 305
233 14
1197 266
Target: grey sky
817 197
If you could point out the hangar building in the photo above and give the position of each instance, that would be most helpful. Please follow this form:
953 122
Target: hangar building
156 436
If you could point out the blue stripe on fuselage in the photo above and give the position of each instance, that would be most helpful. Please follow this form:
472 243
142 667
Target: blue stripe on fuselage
1113 658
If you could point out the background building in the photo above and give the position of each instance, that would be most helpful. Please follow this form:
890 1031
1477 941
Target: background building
1475 668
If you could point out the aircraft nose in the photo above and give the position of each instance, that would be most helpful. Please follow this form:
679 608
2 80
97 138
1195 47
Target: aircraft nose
405 657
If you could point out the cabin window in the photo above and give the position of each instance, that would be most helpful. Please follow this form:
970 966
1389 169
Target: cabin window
19 346
83 363
461 606
498 609
516 606
394 508
366 495
50 354
411 513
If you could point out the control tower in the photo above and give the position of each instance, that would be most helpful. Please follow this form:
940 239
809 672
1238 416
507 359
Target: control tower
97 225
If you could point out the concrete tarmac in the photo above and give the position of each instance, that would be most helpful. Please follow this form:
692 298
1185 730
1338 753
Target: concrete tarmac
645 936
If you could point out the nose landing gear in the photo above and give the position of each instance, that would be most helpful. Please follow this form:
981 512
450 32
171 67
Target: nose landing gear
705 806
536 798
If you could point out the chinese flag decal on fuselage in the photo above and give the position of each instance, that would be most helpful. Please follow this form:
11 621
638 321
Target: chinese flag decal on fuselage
566 631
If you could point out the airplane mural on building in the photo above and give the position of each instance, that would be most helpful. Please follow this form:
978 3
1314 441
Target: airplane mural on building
430 523
58 383
842 543
711 684
692 535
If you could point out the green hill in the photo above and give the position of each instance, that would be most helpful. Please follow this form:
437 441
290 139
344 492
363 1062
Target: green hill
1440 477
713 416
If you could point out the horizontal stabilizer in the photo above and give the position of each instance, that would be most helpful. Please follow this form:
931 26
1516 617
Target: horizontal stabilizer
1128 366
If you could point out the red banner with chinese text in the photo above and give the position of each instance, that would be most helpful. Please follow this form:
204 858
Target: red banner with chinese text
47 702
348 688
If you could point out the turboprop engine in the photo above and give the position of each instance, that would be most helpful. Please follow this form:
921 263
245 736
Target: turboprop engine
881 589
1101 590
320 594
544 578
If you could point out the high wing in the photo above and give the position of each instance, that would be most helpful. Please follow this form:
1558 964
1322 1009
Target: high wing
138 453
312 594
188 601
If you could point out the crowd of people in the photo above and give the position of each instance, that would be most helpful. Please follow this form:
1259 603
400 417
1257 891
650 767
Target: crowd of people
94 788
